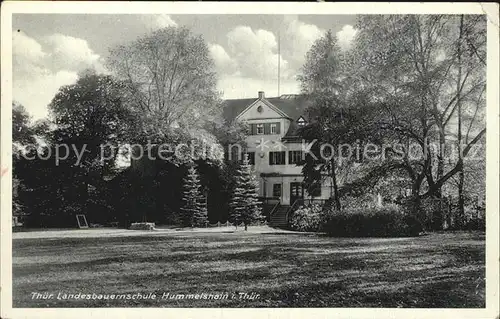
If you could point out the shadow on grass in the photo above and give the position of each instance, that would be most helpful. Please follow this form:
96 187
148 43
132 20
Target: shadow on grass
440 270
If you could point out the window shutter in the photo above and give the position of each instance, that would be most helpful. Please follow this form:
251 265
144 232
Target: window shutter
267 128
253 129
278 131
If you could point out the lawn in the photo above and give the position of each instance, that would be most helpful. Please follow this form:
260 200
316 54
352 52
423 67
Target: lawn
274 269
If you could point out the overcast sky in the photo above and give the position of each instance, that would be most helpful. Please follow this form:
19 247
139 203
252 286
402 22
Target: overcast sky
50 50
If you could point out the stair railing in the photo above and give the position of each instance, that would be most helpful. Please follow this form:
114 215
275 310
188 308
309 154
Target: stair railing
292 208
273 210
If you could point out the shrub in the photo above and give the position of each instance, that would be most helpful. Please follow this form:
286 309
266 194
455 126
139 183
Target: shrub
388 221
49 221
363 201
307 218
475 224
142 226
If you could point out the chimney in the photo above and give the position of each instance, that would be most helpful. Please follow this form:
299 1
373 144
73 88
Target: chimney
261 95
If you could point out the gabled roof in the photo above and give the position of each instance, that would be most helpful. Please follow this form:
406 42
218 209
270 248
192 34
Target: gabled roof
266 102
233 108
293 106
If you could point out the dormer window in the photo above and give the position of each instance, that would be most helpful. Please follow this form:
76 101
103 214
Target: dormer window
301 121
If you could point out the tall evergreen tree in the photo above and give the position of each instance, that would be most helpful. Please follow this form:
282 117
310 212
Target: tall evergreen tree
323 79
194 211
245 203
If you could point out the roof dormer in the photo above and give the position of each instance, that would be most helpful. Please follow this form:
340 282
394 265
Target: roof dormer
301 121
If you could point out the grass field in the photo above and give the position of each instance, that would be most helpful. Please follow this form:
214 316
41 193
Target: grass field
276 269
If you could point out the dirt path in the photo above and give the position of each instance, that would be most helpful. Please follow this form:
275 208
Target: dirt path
116 232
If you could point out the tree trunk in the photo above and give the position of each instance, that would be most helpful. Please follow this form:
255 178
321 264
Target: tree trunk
246 227
415 190
459 133
335 186
461 200
440 160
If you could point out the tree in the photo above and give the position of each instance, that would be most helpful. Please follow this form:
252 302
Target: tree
24 140
322 72
171 88
194 210
339 115
421 75
21 134
320 79
22 131
419 78
170 79
219 178
245 205
32 187
16 204
464 43
92 116
90 123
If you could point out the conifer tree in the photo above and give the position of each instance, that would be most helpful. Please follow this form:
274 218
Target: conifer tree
194 211
245 203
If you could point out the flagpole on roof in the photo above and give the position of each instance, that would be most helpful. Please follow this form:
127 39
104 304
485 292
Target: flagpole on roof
279 62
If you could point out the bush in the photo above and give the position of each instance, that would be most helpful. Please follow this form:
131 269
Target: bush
50 221
388 221
363 201
475 224
307 218
142 226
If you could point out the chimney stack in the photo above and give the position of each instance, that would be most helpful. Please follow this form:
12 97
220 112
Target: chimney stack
261 95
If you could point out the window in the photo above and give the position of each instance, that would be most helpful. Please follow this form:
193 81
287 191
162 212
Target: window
277 158
260 129
265 128
273 128
233 154
276 190
294 157
251 157
296 191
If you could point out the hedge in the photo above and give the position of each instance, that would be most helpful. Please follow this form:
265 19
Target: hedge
388 221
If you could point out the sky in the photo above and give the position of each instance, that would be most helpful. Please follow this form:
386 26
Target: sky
49 50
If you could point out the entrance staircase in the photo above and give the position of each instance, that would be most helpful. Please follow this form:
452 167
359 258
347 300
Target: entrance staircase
279 217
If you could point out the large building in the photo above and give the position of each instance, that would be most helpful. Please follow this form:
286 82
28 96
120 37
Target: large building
274 148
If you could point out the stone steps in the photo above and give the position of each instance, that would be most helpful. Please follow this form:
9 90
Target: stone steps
279 217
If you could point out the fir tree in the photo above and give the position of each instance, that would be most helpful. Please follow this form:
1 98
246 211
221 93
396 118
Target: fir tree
194 211
245 203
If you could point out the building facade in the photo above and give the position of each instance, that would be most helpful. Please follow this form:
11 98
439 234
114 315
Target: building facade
273 146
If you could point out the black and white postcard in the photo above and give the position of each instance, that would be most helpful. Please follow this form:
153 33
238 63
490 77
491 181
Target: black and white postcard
283 160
